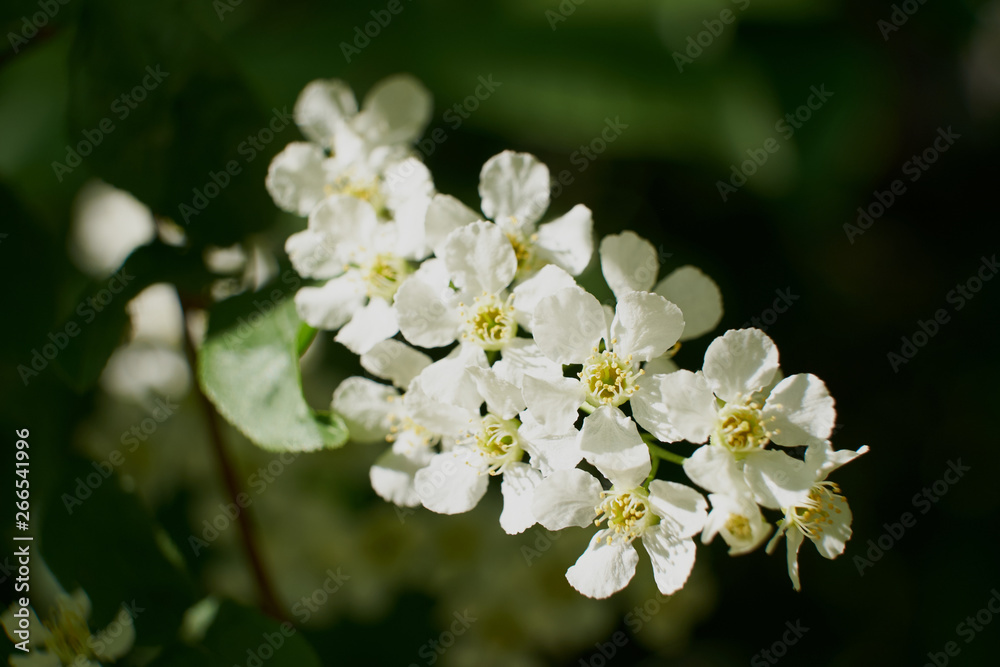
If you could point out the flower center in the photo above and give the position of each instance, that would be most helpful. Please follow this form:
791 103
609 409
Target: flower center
739 527
498 443
608 379
356 187
383 274
490 322
523 249
70 636
740 428
815 513
627 514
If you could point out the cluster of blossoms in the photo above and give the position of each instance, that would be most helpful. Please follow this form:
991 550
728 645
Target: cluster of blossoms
497 363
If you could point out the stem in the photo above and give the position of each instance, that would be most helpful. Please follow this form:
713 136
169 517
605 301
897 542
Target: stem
659 452
652 472
268 600
588 408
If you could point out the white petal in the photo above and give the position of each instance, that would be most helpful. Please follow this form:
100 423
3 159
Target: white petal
479 258
117 639
395 361
567 498
645 326
549 451
518 489
372 324
314 255
322 108
393 476
777 480
365 406
662 365
568 241
678 406
549 280
296 179
568 325
798 410
604 568
426 316
452 483
697 296
330 306
610 441
629 263
395 110
739 363
713 467
524 356
794 538
554 402
822 459
680 505
724 508
672 558
503 398
514 185
444 215
444 397
832 540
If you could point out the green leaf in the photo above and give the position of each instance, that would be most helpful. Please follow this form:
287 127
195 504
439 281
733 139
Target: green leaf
250 371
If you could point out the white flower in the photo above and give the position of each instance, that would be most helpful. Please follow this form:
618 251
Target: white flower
569 328
514 188
813 507
630 263
65 639
365 260
464 293
739 520
350 151
723 404
665 517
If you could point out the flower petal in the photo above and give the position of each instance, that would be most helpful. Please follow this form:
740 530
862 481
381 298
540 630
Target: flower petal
365 406
567 498
554 402
514 185
503 398
518 488
777 479
549 451
444 215
678 406
798 410
680 505
480 258
549 280
603 569
645 326
117 639
629 263
330 306
296 178
714 468
427 316
395 361
393 476
610 441
452 483
831 541
372 324
739 363
672 558
322 109
794 538
568 241
698 297
395 111
568 325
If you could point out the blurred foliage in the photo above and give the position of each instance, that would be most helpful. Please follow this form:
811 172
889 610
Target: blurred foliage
232 67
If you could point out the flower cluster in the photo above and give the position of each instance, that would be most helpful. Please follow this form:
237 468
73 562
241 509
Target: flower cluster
496 363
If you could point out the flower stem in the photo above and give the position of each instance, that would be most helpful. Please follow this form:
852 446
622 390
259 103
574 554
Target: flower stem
659 452
268 600
588 408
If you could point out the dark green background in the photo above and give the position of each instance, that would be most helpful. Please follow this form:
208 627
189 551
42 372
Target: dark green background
783 230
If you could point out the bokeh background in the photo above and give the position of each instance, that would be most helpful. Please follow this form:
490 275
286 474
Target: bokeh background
563 70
